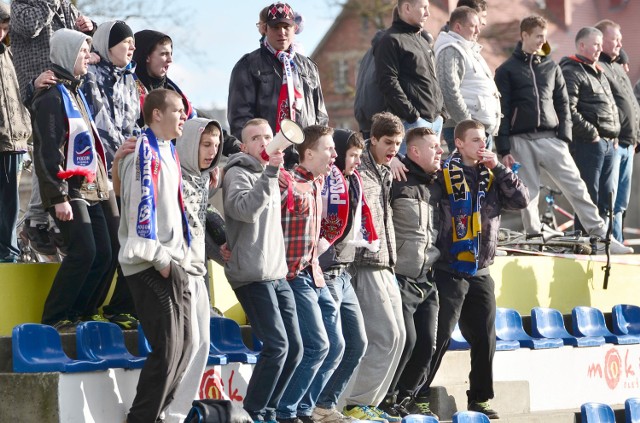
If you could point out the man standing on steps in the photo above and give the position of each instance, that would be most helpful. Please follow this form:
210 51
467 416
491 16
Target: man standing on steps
536 128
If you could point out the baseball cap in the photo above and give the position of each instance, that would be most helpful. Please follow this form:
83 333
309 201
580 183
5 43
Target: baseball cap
280 12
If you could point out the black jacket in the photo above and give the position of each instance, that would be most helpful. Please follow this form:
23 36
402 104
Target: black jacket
255 87
628 108
50 138
406 73
533 98
593 108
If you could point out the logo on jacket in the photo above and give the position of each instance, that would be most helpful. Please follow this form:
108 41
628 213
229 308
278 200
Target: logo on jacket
83 151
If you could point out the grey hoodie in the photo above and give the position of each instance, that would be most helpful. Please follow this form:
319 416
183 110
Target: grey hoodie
195 189
252 218
65 46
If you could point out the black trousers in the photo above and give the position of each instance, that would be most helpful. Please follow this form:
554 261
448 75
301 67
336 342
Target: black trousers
420 312
82 270
471 302
164 311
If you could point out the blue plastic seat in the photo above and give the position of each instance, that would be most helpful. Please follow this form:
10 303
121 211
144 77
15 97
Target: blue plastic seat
457 340
549 323
226 338
418 418
105 341
143 345
626 319
502 345
589 321
257 343
594 412
37 348
470 417
509 328
632 410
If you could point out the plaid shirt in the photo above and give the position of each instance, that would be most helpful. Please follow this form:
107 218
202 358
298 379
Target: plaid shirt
301 215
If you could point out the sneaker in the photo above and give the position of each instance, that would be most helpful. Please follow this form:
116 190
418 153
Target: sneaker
330 415
65 326
618 248
94 318
388 417
37 235
124 320
484 408
392 409
305 419
363 412
418 406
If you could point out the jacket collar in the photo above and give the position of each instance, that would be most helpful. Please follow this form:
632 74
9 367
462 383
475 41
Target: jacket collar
65 77
417 172
402 26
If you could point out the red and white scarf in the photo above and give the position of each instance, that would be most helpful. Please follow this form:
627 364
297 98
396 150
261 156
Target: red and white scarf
290 100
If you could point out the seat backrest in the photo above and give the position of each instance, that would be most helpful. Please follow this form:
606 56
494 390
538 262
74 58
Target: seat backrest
470 417
508 323
144 348
37 347
547 323
226 332
626 319
99 339
589 321
417 418
594 412
632 410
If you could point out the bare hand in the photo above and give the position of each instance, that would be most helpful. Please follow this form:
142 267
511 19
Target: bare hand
95 58
84 24
45 80
276 159
398 169
225 252
488 158
215 177
64 213
508 160
165 272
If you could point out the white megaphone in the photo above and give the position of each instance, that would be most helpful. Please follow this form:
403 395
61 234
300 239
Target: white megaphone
290 133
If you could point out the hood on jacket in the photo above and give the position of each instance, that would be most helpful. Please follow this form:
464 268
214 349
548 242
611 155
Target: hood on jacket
5 11
451 37
188 145
244 160
101 39
341 139
65 45
146 41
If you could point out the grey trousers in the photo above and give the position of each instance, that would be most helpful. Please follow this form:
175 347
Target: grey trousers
35 211
381 305
552 155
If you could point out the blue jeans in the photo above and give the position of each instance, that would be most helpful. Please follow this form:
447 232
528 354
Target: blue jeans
271 309
322 342
625 155
355 338
449 136
598 166
10 166
436 125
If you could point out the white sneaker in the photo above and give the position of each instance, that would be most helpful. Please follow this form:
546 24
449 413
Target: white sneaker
330 415
546 229
618 248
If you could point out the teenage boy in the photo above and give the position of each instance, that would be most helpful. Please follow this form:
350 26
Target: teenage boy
476 189
343 202
72 175
199 149
154 237
416 219
301 209
252 218
373 278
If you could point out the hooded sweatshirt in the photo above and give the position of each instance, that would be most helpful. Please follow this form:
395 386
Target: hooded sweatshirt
112 95
195 189
252 218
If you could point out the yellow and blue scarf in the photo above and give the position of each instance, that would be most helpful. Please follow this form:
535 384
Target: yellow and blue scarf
465 213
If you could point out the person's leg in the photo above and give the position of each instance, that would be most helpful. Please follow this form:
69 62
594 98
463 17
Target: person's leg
589 158
436 125
9 206
159 302
36 222
608 181
477 324
82 268
527 152
314 340
355 338
625 154
187 390
331 321
449 138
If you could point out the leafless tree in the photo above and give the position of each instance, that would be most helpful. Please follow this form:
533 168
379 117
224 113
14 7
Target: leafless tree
377 11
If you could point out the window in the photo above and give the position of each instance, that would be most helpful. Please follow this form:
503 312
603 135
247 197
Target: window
341 73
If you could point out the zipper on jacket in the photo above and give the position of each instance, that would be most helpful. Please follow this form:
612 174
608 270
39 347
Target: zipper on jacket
535 89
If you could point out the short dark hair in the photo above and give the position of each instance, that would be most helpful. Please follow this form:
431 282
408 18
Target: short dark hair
461 15
311 136
157 99
210 129
355 141
465 125
414 134
386 124
529 23
477 5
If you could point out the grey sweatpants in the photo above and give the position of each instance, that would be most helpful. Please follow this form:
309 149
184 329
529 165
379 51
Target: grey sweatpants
381 305
552 155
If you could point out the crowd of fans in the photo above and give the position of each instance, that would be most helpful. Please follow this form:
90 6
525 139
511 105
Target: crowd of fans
353 254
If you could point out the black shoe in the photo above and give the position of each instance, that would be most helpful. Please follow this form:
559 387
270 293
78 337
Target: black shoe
392 409
37 235
65 326
305 419
418 405
484 408
124 320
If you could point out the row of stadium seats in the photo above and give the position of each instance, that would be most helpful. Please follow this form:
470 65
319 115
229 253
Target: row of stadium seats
459 417
594 412
548 330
